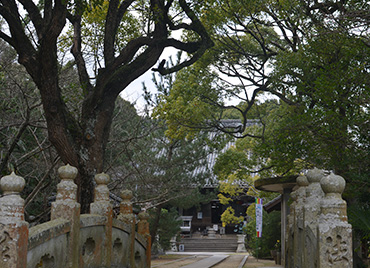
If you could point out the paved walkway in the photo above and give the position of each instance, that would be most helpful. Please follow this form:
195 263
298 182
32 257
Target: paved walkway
207 262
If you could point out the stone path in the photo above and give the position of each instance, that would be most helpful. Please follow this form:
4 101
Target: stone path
207 262
212 259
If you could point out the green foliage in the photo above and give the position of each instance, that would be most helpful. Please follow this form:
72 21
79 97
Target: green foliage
271 231
359 217
314 57
169 226
184 109
194 198
228 217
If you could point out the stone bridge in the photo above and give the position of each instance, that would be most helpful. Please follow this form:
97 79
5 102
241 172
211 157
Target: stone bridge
70 239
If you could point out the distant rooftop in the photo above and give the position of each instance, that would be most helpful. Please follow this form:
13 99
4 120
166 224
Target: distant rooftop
212 181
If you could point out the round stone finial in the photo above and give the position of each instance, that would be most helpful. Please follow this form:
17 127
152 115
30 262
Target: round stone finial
315 175
302 181
102 178
126 194
143 216
67 172
333 184
12 184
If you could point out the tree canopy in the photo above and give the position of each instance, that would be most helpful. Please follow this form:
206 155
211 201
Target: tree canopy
312 59
101 36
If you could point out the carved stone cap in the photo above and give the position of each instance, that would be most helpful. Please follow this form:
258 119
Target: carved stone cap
12 184
333 184
302 181
143 216
102 178
315 175
67 172
126 194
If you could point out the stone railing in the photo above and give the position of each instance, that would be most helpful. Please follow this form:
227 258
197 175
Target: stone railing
70 239
318 233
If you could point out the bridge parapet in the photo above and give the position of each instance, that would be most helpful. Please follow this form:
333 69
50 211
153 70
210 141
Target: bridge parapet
318 233
71 239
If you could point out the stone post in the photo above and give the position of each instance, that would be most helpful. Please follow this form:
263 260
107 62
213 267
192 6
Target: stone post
290 234
285 210
143 229
126 215
241 244
103 207
311 213
13 228
67 207
173 243
299 197
334 232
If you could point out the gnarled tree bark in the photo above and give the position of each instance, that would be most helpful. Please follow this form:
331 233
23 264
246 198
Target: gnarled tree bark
82 143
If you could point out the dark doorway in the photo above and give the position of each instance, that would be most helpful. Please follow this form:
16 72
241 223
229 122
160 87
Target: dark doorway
216 211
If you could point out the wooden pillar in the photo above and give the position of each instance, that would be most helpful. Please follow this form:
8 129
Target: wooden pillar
13 228
284 220
67 207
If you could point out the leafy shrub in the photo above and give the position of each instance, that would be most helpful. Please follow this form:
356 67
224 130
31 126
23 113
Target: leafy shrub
271 230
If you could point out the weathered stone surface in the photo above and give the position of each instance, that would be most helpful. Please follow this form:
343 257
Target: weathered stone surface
297 231
44 232
121 247
311 212
13 228
103 207
71 239
67 207
12 184
90 220
143 224
101 204
335 233
318 232
126 213
241 244
49 245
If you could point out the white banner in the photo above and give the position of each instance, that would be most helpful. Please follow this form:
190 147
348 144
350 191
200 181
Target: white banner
259 217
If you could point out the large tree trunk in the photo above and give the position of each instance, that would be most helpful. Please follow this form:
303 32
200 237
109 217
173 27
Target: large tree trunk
82 144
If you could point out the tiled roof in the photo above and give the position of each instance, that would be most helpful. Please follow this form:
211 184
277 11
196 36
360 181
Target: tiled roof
212 181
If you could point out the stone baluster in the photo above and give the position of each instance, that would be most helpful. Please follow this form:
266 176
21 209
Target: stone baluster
143 224
296 258
314 194
126 215
334 232
101 204
67 207
13 228
311 212
103 207
143 229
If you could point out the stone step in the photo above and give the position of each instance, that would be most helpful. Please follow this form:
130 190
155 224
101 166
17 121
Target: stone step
211 245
